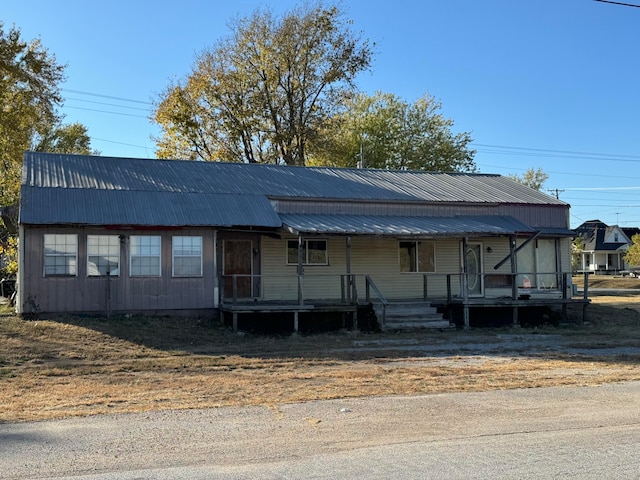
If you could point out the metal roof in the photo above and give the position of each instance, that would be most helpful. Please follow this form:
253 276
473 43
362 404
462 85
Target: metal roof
106 173
55 206
124 191
467 225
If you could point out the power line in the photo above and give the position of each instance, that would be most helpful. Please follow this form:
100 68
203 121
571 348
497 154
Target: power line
619 3
541 152
105 111
91 94
121 143
108 104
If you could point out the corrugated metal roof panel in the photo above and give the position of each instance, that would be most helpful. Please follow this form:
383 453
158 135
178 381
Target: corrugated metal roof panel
104 173
404 226
53 206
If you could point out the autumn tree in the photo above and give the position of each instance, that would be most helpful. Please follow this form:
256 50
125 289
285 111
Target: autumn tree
261 94
385 131
632 257
29 95
64 138
534 178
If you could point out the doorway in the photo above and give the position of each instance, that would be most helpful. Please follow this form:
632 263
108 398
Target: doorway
237 261
475 279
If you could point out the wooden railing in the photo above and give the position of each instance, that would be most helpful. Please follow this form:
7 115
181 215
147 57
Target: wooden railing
343 288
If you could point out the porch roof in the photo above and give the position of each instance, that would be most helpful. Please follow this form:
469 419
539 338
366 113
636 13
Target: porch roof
404 226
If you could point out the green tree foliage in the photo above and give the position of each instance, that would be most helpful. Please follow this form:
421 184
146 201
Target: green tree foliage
67 138
29 95
534 178
577 247
384 131
632 257
260 94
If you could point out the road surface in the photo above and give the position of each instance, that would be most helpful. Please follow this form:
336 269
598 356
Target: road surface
567 432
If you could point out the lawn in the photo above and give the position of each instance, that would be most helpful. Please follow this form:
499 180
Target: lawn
53 368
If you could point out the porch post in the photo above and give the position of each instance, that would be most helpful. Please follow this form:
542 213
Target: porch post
514 278
349 283
300 270
465 284
216 279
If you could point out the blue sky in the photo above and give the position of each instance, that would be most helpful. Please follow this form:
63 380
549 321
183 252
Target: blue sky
549 84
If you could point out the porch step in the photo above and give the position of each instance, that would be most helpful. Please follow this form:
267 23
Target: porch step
410 315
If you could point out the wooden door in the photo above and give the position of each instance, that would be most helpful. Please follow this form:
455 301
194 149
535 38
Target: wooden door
237 261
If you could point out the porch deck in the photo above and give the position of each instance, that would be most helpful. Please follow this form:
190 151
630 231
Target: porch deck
349 301
255 306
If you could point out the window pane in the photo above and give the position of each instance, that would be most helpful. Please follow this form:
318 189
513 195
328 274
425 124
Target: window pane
407 256
60 253
145 255
426 257
103 255
187 256
316 252
292 251
187 266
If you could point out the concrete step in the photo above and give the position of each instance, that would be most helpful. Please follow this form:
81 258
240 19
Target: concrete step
410 315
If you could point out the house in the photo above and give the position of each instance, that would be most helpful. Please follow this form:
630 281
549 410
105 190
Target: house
604 247
120 235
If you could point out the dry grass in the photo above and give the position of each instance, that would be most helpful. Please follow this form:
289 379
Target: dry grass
85 366
607 281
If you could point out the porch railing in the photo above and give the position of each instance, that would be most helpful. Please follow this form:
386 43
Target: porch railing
345 288
342 288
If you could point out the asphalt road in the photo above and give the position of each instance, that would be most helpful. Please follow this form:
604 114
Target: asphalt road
570 432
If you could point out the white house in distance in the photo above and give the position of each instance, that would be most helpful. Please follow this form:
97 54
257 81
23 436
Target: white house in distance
103 236
604 247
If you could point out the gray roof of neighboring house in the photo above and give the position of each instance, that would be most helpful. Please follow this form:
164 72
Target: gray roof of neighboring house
594 233
81 189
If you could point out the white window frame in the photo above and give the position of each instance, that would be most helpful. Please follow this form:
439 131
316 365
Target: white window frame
305 259
415 268
103 249
183 255
61 249
144 254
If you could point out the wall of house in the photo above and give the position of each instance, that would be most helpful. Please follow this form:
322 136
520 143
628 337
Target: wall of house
123 293
377 257
541 216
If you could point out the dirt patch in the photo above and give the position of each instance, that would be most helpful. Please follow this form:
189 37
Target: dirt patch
84 366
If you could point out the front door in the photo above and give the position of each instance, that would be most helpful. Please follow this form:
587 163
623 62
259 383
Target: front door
237 269
475 281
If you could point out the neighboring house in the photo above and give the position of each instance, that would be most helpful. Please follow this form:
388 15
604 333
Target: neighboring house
604 247
117 235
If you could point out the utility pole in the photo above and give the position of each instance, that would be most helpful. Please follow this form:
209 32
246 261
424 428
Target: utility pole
556 192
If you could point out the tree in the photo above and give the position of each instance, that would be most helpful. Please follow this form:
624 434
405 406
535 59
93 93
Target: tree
532 178
67 138
577 248
632 257
29 95
262 93
384 131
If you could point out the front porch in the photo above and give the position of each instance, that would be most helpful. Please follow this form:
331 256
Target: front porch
443 293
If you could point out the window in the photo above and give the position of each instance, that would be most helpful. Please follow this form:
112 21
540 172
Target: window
314 252
103 255
60 255
187 256
417 256
145 256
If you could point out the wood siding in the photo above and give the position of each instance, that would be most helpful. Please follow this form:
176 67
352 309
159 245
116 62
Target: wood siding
84 294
